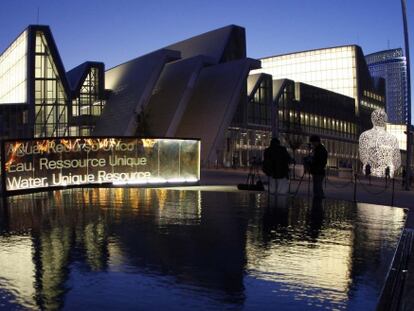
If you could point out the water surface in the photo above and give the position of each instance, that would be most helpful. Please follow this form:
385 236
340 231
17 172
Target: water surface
158 249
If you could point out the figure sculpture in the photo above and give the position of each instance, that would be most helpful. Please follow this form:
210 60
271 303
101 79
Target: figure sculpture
379 148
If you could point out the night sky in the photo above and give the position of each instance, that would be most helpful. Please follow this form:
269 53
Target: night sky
114 31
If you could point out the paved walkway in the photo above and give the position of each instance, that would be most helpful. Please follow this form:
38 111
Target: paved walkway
374 192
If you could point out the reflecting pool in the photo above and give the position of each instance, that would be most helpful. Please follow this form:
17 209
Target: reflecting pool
159 249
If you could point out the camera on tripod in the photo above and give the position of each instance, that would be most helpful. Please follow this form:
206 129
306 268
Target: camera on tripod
307 163
254 162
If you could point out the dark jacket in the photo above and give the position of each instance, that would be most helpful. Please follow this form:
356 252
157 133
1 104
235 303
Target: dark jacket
319 160
280 160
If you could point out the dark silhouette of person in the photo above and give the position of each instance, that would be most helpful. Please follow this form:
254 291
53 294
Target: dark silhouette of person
387 172
315 218
277 159
404 175
317 166
368 172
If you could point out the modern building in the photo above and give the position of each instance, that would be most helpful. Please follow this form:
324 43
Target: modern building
203 87
188 89
328 92
36 95
391 65
339 69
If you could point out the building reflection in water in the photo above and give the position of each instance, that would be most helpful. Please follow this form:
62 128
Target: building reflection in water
227 246
323 252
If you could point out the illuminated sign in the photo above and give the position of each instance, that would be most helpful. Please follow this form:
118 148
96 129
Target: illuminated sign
59 162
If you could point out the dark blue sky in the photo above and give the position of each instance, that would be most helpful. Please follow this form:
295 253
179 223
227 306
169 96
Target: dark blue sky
114 31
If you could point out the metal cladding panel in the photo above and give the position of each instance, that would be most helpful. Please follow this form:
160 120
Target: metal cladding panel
252 83
213 104
76 76
171 95
223 44
131 85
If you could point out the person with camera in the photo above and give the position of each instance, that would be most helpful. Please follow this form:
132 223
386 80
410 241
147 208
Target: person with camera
318 161
276 165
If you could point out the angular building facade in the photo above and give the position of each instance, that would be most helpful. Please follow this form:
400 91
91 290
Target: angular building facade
328 92
391 65
339 69
203 87
189 89
35 94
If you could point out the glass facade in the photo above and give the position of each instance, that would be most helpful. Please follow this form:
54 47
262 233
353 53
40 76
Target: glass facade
305 110
332 69
335 69
88 104
13 72
391 65
250 130
398 131
50 99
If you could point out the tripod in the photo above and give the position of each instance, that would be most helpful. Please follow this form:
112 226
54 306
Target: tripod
252 176
300 182
253 173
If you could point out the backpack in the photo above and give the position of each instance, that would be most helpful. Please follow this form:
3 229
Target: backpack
267 165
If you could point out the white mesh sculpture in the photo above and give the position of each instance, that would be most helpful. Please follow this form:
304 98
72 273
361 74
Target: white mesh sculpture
378 148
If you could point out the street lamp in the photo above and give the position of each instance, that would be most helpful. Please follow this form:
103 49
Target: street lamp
407 59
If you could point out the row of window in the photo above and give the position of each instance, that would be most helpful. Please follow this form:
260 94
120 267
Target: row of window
371 105
244 144
313 120
308 64
338 52
373 96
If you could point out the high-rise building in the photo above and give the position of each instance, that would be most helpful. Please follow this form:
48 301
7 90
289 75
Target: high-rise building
339 69
391 65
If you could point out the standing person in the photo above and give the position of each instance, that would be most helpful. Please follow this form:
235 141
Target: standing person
276 165
368 172
317 165
404 174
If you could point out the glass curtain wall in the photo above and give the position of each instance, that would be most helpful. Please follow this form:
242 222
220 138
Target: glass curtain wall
13 72
250 130
50 98
88 103
313 113
391 65
333 69
337 69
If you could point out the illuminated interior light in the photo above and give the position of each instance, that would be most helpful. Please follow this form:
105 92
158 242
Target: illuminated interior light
119 183
157 181
191 179
137 182
176 180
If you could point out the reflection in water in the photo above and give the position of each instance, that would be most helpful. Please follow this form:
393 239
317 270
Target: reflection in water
158 248
304 250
